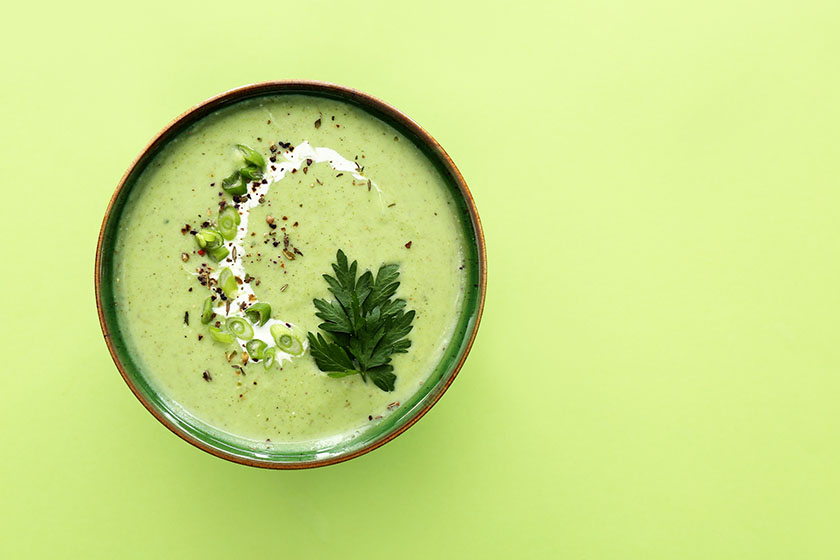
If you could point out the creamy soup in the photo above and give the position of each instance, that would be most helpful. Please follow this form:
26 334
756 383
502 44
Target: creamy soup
323 176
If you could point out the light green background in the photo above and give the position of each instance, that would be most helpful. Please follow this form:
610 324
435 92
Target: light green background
656 375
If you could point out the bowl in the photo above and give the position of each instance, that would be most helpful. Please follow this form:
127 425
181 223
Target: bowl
229 448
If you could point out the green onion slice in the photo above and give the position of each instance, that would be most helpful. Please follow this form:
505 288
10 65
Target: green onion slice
228 220
286 340
258 313
218 254
251 173
209 239
234 184
251 156
207 311
231 181
240 328
256 349
269 357
227 282
220 334
239 189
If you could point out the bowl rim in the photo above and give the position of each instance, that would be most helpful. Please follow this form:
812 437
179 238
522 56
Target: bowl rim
367 102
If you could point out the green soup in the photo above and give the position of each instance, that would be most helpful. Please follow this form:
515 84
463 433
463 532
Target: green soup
337 177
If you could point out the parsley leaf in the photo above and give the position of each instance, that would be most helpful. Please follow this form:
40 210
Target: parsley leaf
328 355
363 326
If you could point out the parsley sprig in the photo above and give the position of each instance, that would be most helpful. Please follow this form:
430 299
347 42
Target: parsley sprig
364 326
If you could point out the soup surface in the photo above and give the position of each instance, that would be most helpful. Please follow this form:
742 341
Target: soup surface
335 178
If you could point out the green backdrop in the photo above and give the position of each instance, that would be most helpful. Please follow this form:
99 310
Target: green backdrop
656 375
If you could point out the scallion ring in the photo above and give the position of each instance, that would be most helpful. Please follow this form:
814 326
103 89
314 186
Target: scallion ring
227 282
269 357
251 173
251 156
228 220
231 180
240 328
234 184
207 311
219 253
209 239
220 334
259 313
256 349
286 340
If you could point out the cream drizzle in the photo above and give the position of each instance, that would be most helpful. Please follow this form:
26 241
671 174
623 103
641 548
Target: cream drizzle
294 158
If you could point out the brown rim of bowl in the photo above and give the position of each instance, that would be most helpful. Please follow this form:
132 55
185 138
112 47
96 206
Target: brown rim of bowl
364 100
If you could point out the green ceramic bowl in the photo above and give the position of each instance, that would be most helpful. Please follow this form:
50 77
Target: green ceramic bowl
228 447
